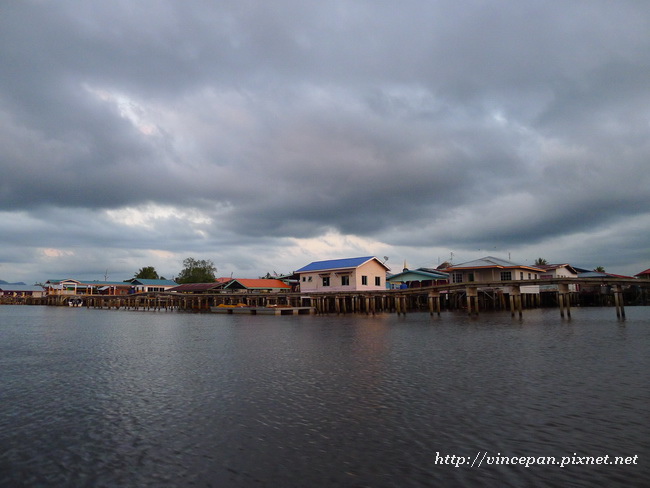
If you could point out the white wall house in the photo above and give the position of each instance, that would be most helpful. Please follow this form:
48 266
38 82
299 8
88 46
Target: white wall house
558 271
349 274
491 269
145 286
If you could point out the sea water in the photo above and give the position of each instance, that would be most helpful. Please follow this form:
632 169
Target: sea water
133 398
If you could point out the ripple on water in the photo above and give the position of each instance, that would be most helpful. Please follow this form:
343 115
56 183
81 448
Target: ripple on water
152 399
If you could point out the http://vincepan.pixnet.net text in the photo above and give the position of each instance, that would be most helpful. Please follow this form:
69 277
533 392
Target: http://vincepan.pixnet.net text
484 459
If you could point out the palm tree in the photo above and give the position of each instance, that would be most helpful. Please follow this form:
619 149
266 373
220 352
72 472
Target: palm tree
541 262
147 273
599 269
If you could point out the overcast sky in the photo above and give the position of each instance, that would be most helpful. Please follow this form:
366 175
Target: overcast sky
264 135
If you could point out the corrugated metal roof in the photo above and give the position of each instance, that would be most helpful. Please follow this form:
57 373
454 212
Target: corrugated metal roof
441 272
109 283
89 283
337 264
592 274
599 274
22 288
424 275
154 282
490 262
260 283
196 287
59 281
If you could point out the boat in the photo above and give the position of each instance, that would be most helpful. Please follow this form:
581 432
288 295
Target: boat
75 302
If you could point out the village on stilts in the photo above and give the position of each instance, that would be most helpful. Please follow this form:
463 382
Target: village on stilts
357 285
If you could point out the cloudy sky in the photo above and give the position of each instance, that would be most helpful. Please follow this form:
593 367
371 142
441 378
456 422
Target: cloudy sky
266 135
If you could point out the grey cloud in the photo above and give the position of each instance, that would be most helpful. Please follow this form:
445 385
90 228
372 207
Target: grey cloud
412 123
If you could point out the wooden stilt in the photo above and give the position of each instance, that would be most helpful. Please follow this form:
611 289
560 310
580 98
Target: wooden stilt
618 301
515 298
472 300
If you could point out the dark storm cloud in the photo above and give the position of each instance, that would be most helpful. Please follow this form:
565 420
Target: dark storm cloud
426 124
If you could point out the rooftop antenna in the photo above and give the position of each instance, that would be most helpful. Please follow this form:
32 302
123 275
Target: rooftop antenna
106 275
385 258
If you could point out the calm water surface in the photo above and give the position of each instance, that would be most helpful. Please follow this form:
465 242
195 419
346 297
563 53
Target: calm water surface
125 398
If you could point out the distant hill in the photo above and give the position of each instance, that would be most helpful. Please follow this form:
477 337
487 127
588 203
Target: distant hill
3 282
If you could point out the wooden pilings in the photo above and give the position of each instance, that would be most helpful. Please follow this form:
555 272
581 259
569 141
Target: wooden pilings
434 303
618 301
515 301
400 304
472 300
148 302
465 297
367 303
564 299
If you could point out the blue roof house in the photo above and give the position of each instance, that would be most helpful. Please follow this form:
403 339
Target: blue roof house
350 274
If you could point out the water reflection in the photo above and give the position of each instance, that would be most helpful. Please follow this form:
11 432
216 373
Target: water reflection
139 398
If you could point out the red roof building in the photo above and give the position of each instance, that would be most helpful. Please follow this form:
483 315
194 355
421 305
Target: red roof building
644 275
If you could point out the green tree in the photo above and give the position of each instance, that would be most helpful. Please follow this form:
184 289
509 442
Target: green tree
541 262
197 271
600 269
147 273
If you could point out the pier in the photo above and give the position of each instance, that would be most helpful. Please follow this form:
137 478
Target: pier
263 310
472 298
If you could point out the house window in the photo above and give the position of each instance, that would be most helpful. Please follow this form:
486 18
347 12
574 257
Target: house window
506 276
521 276
304 278
457 277
364 280
345 280
309 279
470 277
528 275
377 280
326 281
